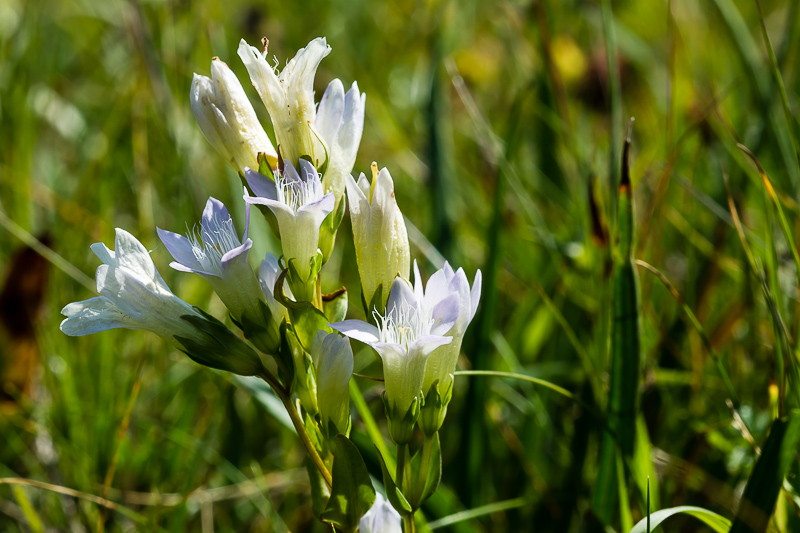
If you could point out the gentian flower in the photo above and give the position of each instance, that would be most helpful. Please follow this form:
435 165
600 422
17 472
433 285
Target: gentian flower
227 118
299 206
135 296
333 361
408 334
340 122
215 252
330 136
289 97
381 518
379 235
437 386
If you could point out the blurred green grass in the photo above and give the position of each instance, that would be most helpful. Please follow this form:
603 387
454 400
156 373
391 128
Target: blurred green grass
96 132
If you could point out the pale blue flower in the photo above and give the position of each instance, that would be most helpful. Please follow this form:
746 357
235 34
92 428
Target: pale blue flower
445 283
407 335
381 518
299 205
214 251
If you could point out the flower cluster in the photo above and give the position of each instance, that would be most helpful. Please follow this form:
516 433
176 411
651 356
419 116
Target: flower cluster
291 335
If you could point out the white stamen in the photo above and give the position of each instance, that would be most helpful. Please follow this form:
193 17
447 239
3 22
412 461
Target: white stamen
297 193
402 324
210 243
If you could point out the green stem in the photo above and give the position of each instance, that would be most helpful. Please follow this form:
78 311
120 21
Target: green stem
281 393
402 449
425 463
409 525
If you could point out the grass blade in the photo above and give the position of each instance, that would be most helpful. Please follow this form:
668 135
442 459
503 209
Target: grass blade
709 518
766 480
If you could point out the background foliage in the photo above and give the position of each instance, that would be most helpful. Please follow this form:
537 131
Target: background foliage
496 121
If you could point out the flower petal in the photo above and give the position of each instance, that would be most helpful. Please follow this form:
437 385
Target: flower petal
475 294
329 113
132 255
317 211
445 314
426 344
92 316
260 184
179 248
401 294
214 213
358 330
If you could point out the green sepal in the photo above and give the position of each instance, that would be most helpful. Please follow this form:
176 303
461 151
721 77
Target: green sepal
401 425
305 382
265 165
261 329
424 478
320 493
393 494
335 305
352 493
376 303
219 348
285 358
304 289
434 409
305 318
311 422
329 227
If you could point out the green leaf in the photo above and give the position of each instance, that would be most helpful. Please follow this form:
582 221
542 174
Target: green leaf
352 493
766 480
320 494
711 519
625 354
305 318
426 472
393 494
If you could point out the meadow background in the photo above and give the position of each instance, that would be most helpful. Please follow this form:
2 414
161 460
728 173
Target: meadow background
502 124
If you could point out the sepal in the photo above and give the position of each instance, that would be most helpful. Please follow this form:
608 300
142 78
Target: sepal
328 229
217 346
426 472
434 409
401 425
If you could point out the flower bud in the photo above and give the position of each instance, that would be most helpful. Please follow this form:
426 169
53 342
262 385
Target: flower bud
379 234
333 360
227 118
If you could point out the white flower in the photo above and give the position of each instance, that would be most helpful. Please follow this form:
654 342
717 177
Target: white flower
134 296
381 518
442 284
340 122
379 234
227 119
331 135
289 97
333 361
299 205
407 335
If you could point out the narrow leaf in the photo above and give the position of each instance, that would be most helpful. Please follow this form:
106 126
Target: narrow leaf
352 493
711 519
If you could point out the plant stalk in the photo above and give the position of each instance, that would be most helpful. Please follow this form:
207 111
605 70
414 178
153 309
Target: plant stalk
281 393
402 450
409 525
